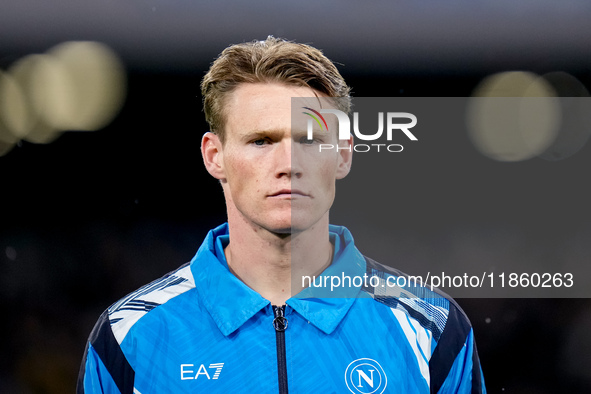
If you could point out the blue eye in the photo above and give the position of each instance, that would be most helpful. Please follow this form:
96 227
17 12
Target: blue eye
306 141
259 142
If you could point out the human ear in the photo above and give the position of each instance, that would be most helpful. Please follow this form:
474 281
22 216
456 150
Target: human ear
212 152
345 158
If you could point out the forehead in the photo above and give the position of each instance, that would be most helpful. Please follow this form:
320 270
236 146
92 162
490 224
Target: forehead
263 106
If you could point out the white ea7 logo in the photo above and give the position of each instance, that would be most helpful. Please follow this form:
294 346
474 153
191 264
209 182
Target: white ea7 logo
188 371
365 376
345 124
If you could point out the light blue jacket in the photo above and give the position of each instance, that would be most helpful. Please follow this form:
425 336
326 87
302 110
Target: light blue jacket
201 330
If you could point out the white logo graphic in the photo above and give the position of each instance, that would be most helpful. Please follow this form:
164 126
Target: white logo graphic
344 125
188 373
365 376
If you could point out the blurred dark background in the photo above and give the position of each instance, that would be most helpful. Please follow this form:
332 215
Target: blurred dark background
91 216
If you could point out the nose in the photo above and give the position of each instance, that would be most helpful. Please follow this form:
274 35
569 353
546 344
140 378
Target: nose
287 160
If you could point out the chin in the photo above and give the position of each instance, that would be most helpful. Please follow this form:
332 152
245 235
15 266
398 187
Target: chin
286 228
276 225
290 224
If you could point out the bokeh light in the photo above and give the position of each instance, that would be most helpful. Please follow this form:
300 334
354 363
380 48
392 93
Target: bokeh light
13 110
75 86
575 128
89 80
23 71
513 116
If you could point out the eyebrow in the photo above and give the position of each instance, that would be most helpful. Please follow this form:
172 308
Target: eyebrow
259 133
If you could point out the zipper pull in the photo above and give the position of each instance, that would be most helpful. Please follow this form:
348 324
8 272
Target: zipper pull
280 322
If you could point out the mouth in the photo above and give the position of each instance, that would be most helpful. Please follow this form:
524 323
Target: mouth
289 193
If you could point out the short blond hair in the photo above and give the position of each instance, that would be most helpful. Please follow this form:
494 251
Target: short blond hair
271 60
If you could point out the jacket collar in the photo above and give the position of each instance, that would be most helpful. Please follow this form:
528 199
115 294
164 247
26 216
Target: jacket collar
231 303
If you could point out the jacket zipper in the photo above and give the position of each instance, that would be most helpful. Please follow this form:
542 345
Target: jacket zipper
280 325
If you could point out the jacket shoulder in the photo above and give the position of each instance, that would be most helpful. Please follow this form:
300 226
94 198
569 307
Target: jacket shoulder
431 307
449 345
130 309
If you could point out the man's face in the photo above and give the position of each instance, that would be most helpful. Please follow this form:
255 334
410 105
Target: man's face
273 177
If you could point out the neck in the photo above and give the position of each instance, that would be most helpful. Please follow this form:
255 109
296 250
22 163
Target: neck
271 263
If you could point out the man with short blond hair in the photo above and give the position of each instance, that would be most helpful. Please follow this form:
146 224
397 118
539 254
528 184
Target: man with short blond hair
237 318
